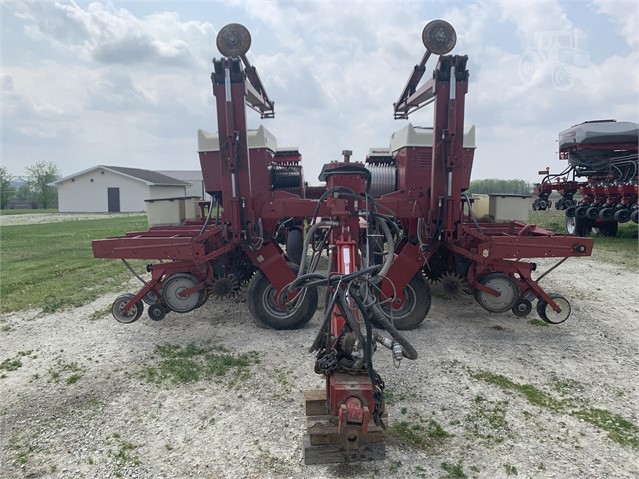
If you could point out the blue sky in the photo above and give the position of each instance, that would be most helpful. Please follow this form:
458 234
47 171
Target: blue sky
127 83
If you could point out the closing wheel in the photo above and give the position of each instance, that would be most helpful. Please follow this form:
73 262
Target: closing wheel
173 289
549 315
294 245
522 308
505 286
414 309
156 312
261 298
134 312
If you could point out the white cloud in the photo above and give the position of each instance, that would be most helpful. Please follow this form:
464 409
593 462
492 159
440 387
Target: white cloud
625 14
133 89
107 34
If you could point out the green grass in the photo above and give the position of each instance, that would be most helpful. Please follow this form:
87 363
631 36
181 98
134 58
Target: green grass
538 322
71 370
619 430
394 467
194 363
419 435
26 212
510 469
454 471
51 265
10 365
622 249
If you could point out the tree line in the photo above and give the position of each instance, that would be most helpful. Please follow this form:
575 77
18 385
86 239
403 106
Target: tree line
497 186
36 190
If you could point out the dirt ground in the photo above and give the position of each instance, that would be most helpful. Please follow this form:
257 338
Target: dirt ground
491 396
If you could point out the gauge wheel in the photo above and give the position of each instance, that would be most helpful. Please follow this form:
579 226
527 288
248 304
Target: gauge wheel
549 315
522 308
414 309
172 293
294 245
156 312
578 226
261 299
503 284
134 312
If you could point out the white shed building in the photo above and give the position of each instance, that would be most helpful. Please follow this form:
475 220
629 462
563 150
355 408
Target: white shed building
193 177
104 189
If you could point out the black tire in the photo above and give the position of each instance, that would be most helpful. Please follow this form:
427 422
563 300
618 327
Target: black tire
156 312
414 310
634 216
592 213
294 245
608 229
622 215
261 301
606 213
522 308
580 211
578 226
547 314
132 315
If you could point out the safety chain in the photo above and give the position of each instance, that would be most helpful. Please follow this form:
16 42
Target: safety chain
326 362
378 396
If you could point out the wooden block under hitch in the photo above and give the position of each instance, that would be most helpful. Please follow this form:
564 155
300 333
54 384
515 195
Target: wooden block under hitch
323 444
331 453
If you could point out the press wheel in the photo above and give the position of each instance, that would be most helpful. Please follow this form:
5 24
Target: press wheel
134 312
549 315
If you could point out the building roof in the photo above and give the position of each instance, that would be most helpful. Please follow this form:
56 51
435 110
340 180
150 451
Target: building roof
151 178
184 175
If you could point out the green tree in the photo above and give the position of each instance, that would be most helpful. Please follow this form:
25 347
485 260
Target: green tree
7 191
38 178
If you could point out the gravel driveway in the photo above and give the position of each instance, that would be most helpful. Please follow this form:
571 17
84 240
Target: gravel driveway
490 396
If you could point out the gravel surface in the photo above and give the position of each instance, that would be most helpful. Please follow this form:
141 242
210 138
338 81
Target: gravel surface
35 218
490 396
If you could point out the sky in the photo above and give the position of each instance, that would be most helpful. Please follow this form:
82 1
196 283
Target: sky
128 83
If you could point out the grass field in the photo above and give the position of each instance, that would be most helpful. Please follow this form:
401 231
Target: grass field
23 212
51 265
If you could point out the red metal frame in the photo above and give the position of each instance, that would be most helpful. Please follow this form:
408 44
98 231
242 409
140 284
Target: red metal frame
428 204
